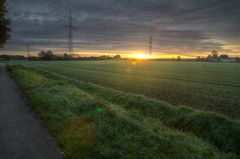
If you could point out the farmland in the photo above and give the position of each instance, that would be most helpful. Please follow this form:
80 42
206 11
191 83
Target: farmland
205 86
91 121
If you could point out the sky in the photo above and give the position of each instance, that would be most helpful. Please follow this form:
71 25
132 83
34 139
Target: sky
188 28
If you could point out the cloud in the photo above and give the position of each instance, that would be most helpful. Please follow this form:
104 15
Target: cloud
179 27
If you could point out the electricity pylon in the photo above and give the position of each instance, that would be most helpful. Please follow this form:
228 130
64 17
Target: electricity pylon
70 27
150 45
28 50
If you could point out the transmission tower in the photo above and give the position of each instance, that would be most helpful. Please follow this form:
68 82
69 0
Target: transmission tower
28 50
150 45
70 27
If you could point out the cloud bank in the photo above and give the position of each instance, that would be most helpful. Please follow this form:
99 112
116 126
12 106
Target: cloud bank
183 27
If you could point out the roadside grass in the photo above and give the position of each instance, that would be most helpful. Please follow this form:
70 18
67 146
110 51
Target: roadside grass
90 121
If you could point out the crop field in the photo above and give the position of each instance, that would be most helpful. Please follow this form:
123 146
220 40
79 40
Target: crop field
206 86
91 121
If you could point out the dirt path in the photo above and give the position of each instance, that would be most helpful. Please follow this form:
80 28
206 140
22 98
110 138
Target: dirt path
21 133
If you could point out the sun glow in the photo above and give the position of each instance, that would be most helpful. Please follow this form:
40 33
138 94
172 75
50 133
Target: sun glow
141 56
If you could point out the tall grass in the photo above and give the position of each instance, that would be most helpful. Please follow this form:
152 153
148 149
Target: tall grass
91 125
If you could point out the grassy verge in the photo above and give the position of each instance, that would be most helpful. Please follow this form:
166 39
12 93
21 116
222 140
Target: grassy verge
94 122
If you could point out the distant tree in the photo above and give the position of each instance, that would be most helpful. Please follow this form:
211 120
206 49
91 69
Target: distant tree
12 57
67 56
179 58
48 55
199 58
214 54
104 57
224 56
41 54
117 57
4 57
4 24
209 56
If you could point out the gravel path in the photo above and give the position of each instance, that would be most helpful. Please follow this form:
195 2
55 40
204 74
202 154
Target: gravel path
21 133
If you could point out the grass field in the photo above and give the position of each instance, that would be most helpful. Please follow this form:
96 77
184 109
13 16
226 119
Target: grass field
91 121
205 86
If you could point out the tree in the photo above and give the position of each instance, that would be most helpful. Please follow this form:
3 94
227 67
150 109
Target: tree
179 58
199 58
4 24
41 54
237 59
67 56
48 55
214 54
4 57
117 57
224 56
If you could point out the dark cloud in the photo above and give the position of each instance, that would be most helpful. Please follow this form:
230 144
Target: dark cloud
178 27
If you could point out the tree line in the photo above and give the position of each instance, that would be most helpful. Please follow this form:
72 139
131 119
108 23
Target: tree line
216 57
49 55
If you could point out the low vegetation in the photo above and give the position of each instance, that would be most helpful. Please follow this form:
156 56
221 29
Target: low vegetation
91 121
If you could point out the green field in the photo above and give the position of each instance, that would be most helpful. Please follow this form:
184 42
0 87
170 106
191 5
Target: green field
91 121
205 86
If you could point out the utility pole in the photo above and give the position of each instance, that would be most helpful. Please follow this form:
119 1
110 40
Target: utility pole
28 50
70 29
150 45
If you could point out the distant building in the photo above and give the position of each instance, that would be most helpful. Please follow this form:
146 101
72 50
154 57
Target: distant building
227 60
